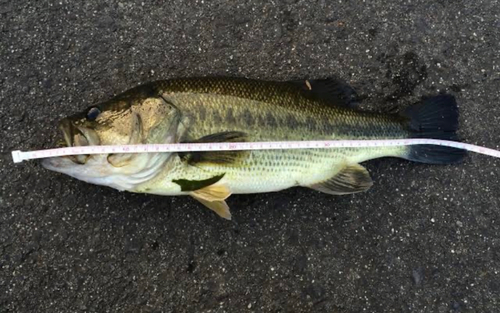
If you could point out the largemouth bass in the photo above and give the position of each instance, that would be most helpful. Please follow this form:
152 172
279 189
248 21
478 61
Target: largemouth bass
239 110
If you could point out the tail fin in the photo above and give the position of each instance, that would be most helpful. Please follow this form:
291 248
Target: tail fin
435 118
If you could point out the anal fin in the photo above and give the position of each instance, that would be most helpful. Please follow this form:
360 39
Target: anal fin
352 178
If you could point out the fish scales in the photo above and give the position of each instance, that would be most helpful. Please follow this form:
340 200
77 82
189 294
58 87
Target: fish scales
237 109
275 112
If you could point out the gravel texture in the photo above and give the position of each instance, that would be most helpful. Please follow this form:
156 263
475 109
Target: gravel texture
423 239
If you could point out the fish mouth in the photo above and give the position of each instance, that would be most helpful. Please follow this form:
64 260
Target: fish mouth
77 136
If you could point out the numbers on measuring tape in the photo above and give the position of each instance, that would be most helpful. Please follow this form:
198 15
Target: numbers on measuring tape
19 156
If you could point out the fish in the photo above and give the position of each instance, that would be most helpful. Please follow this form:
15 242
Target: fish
235 109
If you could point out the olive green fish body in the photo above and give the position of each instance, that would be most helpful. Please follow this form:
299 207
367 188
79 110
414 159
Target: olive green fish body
269 111
215 110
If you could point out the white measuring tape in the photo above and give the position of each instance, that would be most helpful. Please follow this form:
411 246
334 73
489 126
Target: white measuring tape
19 156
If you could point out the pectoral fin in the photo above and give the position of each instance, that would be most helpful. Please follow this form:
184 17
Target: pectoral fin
213 198
352 178
217 157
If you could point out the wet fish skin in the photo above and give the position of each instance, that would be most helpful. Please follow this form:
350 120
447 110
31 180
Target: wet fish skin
269 111
237 109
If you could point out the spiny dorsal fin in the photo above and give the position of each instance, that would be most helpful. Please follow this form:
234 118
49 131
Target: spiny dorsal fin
332 90
213 198
218 157
192 185
352 178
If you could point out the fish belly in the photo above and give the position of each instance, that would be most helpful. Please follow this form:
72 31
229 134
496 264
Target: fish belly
269 171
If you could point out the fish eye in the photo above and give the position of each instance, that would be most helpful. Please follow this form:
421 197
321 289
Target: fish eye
93 113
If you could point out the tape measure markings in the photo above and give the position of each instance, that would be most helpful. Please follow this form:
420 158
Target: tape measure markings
19 156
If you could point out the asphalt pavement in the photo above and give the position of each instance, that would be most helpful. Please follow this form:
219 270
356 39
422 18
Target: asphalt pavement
423 239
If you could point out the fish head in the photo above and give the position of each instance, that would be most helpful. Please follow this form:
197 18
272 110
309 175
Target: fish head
135 117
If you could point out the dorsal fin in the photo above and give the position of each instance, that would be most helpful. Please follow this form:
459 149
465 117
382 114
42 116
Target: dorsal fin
218 157
331 90
352 178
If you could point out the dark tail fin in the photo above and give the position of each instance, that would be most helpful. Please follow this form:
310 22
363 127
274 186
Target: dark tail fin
435 118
